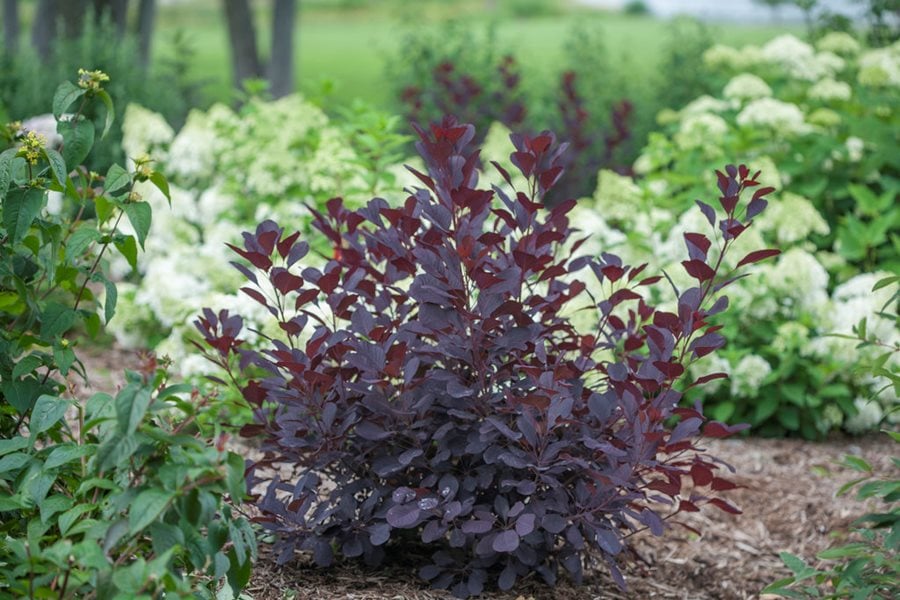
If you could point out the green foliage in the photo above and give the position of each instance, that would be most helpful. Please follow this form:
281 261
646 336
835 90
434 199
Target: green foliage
112 496
867 565
24 95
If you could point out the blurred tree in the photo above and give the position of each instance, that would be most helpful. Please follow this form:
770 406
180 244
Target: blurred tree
10 26
774 5
146 19
245 60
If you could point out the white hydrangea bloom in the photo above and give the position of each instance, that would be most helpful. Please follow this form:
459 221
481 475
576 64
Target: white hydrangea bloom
796 58
868 417
829 89
855 147
833 417
838 42
145 132
701 130
704 105
777 115
617 197
727 57
797 280
746 86
790 337
748 375
880 67
192 155
825 117
792 218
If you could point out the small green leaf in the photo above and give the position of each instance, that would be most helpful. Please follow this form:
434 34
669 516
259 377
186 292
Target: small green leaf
131 406
80 240
116 179
21 394
53 505
78 139
46 412
66 94
66 453
110 111
57 165
56 320
140 215
20 209
63 357
159 180
96 482
26 365
68 518
7 161
147 507
848 551
14 462
11 445
857 464
128 248
104 208
112 295
881 283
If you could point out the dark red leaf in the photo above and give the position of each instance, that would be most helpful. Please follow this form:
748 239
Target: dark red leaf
698 270
757 256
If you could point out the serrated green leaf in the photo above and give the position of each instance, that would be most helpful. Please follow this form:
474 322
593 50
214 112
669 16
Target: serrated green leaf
7 158
159 180
147 507
78 139
141 216
68 518
109 304
66 94
110 111
116 179
46 412
96 482
80 240
56 320
57 165
26 365
66 453
128 248
104 208
20 209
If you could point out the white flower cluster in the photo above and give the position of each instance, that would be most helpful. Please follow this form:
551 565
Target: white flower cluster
777 115
145 132
748 375
800 60
838 42
792 218
746 86
880 67
828 89
700 131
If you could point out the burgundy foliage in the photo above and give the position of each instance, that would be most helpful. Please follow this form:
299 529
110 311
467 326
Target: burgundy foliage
449 400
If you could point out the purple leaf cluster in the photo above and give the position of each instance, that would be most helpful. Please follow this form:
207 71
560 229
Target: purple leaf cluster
447 400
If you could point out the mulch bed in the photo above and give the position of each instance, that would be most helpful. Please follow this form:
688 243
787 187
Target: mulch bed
788 504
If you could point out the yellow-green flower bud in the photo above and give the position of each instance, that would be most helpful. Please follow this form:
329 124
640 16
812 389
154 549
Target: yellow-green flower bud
91 80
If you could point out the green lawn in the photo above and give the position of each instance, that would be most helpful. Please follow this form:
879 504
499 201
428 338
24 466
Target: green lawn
349 47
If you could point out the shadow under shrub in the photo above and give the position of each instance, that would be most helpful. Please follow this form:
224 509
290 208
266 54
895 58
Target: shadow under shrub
431 386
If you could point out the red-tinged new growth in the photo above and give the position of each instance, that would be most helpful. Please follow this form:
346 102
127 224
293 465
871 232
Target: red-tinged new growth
448 400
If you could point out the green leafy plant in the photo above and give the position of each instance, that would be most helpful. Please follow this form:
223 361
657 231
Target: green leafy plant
113 496
867 565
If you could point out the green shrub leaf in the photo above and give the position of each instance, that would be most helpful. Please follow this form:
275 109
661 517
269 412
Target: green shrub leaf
140 215
131 406
56 320
66 94
110 111
66 453
46 412
128 247
80 240
21 207
57 165
7 162
147 507
78 139
116 179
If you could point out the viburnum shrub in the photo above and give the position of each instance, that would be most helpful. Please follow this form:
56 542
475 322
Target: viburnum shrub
430 386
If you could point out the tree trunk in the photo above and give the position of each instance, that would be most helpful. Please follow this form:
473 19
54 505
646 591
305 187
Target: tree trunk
245 63
43 29
281 62
72 13
117 11
11 26
146 19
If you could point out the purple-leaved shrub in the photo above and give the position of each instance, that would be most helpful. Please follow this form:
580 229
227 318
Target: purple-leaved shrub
430 387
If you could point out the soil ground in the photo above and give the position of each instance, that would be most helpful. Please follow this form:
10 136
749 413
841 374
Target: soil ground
788 502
